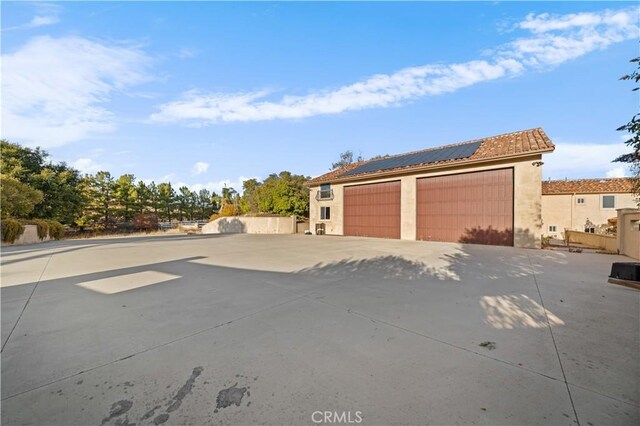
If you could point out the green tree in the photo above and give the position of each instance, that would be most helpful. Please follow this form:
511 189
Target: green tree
187 202
166 198
99 192
284 194
346 158
60 184
62 200
154 198
633 128
250 200
143 199
17 200
126 196
204 204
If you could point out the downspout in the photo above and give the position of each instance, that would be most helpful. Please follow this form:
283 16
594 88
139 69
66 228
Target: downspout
572 201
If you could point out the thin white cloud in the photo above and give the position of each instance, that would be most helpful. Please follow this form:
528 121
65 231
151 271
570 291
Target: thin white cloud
576 160
87 166
47 14
55 89
554 39
187 53
618 172
216 186
199 168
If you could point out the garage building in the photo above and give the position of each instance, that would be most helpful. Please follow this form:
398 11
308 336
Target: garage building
484 191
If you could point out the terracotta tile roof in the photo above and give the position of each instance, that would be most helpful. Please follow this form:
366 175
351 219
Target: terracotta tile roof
587 186
492 148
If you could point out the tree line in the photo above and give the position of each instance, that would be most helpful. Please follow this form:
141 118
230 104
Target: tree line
34 187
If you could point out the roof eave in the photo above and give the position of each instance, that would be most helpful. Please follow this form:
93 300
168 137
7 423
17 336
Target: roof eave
412 170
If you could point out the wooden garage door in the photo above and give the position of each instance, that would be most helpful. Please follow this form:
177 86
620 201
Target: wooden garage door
372 210
468 208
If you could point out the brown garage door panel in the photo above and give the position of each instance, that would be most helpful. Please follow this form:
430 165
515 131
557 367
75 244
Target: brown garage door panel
470 208
372 210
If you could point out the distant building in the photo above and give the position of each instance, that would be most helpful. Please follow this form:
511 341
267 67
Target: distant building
584 204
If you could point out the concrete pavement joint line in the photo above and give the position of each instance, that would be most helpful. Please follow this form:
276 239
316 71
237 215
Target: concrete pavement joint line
27 302
350 311
153 348
535 280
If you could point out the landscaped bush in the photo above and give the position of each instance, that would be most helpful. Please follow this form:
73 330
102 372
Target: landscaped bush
214 217
229 210
145 222
56 230
11 230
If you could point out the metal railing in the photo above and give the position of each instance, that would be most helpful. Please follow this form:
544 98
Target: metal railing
174 224
326 194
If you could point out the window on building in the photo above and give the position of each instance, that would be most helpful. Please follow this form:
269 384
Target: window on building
580 200
608 201
552 228
325 213
325 192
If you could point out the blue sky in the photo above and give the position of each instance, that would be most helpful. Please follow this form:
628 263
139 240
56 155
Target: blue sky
207 94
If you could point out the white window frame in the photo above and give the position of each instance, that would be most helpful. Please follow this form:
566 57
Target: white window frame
581 201
553 228
323 213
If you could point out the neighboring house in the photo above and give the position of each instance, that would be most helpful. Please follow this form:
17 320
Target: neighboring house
584 204
483 191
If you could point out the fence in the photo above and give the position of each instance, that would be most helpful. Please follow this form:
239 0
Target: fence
604 242
163 226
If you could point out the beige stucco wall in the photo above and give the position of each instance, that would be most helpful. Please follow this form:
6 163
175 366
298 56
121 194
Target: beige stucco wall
563 212
629 232
30 236
527 204
251 225
601 241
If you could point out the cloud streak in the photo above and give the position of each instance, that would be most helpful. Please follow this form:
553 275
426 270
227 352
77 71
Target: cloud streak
54 89
199 168
46 14
553 39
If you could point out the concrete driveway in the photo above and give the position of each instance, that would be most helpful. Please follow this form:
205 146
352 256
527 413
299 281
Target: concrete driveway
251 329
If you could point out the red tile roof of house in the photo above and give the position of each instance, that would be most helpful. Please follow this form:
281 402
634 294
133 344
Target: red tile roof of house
587 186
508 145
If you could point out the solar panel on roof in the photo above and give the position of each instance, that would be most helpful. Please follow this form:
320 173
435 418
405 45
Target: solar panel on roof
423 157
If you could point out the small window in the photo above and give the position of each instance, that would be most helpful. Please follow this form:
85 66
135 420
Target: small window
552 228
325 213
608 201
580 200
590 230
325 192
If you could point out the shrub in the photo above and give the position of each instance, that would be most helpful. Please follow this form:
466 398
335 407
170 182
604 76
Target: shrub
145 222
56 230
11 230
214 217
229 210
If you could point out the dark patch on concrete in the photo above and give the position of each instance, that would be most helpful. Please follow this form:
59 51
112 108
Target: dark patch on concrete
230 396
124 422
117 409
160 419
248 403
128 384
185 390
489 345
150 413
79 382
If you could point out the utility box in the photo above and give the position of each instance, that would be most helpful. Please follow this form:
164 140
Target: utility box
629 271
